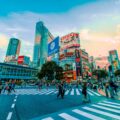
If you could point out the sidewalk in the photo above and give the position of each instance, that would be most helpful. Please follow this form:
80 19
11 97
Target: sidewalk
102 92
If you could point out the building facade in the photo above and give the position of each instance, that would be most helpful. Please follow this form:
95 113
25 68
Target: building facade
42 38
13 50
67 57
114 60
85 64
9 71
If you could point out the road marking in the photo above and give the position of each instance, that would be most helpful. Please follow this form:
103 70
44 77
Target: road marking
44 92
66 92
13 105
72 92
9 116
77 91
90 93
67 116
49 92
49 118
95 93
14 100
16 96
105 108
55 92
109 105
87 115
101 112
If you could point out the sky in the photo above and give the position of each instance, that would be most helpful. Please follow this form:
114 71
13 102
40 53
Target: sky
97 21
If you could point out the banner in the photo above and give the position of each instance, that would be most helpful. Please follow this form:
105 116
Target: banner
70 40
53 46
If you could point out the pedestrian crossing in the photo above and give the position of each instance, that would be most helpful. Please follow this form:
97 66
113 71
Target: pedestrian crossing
72 92
104 110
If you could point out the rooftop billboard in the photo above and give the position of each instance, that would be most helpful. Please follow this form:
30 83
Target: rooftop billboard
53 46
70 40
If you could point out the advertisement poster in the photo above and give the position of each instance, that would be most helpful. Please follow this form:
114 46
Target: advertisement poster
53 46
70 40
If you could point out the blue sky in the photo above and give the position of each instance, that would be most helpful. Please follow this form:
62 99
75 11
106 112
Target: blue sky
97 21
39 6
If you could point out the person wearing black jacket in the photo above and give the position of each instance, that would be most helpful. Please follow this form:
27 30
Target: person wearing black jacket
60 91
84 90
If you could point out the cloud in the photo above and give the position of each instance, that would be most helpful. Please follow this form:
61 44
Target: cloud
95 24
3 46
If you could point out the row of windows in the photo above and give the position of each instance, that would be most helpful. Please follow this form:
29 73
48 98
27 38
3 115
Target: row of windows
12 71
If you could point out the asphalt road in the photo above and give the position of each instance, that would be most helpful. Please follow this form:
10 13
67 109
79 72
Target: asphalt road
28 106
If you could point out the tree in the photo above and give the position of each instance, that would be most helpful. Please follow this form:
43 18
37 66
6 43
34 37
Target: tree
100 73
49 69
59 73
117 73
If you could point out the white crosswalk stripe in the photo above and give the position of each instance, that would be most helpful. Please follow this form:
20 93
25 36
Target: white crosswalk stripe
90 93
88 115
66 93
49 92
49 118
67 116
74 91
101 112
94 92
110 109
93 112
109 105
77 91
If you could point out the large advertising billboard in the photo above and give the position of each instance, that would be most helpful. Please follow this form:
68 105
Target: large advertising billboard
70 40
20 59
23 60
77 59
53 46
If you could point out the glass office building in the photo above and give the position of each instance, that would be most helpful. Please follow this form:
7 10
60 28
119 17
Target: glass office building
42 38
13 49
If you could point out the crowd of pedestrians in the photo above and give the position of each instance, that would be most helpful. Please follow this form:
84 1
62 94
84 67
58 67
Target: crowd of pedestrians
7 87
111 89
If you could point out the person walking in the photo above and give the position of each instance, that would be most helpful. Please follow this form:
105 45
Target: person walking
63 90
60 91
85 97
9 87
13 86
39 85
47 85
5 87
115 89
111 89
106 89
84 92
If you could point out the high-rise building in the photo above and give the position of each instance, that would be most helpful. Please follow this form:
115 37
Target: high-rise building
42 38
114 60
13 49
